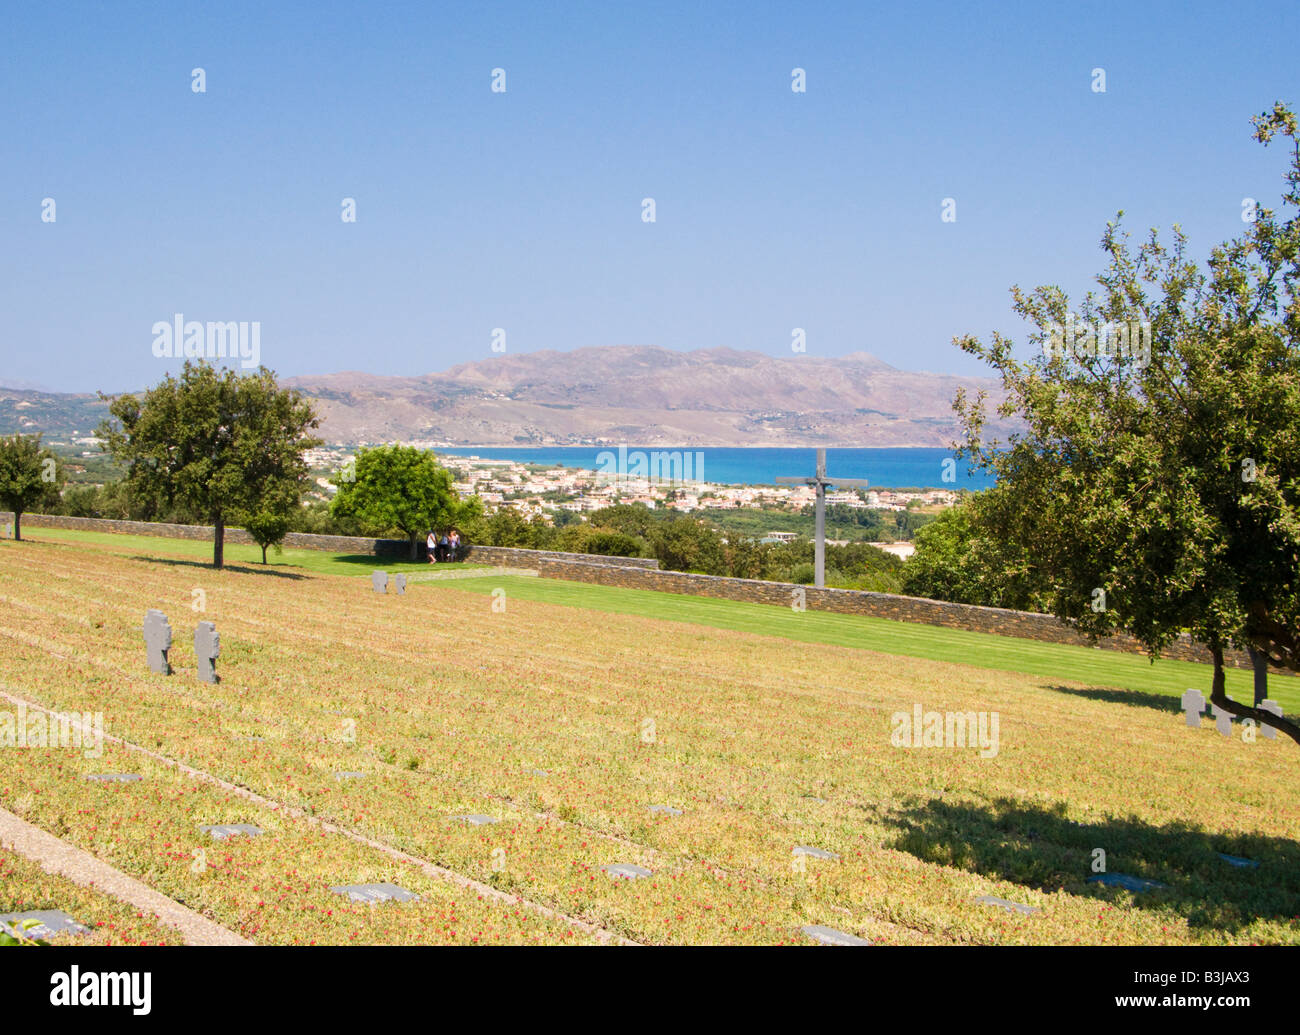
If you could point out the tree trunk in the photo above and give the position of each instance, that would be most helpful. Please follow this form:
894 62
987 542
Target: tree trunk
263 554
18 524
1220 697
218 543
415 548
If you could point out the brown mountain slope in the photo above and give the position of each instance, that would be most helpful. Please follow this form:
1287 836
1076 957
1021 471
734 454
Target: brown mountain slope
648 396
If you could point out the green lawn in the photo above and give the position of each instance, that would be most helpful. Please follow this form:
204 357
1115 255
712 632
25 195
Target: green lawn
1110 675
322 561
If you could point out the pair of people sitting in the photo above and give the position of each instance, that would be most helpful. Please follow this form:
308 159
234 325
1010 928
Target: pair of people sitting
445 548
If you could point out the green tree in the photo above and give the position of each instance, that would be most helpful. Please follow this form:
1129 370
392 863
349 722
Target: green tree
400 488
962 557
30 476
214 444
685 544
1162 494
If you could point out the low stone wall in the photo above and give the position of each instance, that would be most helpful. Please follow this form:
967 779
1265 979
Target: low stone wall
396 548
1024 624
516 557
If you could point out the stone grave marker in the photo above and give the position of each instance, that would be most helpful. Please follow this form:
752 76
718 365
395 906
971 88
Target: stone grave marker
1222 720
1010 907
49 923
1239 861
667 810
207 647
113 777
157 641
399 583
475 819
346 775
538 772
1127 881
379 581
376 893
1194 706
1273 708
626 870
816 853
221 831
830 936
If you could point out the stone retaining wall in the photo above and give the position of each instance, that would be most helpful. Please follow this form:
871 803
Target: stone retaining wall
1024 624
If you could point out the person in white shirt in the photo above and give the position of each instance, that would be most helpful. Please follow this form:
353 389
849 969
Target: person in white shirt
432 544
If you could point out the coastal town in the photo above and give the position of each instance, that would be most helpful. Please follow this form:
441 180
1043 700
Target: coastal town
536 490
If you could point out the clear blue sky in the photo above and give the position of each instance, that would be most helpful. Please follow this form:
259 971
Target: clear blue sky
522 210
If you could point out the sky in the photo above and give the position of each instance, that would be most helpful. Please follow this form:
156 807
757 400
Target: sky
523 209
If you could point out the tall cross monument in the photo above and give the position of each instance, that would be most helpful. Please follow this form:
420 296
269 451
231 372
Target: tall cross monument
820 481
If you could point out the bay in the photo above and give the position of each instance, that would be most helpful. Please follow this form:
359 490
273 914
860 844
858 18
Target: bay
885 468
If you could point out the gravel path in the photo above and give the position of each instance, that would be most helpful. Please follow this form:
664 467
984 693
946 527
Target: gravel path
57 856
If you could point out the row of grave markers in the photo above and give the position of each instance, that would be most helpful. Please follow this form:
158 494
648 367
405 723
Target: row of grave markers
158 641
46 923
1193 703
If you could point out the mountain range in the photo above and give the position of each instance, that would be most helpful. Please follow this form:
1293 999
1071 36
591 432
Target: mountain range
640 395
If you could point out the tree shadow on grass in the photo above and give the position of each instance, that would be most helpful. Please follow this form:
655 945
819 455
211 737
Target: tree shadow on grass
1040 847
207 566
1136 698
372 561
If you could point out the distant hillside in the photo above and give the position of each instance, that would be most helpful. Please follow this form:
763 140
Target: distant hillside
648 396
640 395
58 415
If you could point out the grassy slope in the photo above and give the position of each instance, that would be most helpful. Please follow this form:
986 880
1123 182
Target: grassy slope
1109 672
454 705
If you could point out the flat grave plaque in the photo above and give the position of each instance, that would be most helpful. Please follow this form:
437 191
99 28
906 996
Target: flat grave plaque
538 772
1010 907
816 853
1239 861
475 819
348 776
626 870
1124 880
113 777
221 831
49 923
667 810
376 893
830 936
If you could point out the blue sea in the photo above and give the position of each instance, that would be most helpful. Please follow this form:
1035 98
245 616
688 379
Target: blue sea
883 468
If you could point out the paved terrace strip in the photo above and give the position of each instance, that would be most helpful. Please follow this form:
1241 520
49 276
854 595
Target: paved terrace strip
57 856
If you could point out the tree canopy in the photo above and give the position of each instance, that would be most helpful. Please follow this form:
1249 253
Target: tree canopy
401 488
1157 494
220 444
30 476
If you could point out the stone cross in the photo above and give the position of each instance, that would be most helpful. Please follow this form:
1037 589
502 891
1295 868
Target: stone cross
157 641
207 647
1222 720
1194 706
399 583
819 480
1273 708
379 581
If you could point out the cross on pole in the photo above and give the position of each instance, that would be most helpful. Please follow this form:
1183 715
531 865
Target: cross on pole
819 481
